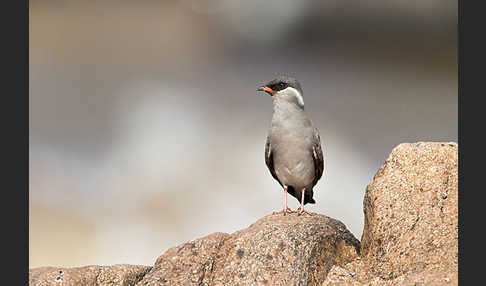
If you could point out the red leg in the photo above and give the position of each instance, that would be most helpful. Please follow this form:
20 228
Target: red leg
301 208
286 209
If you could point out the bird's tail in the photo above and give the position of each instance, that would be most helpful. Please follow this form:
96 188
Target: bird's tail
308 196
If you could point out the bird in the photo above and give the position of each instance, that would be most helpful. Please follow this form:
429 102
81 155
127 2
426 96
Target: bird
293 152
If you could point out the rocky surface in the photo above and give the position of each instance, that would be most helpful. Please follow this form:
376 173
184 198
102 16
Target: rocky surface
360 273
262 254
410 237
116 275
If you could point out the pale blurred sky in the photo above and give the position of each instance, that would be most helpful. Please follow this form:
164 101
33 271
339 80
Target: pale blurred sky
146 130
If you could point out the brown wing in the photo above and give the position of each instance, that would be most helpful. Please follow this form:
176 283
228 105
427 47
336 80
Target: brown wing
318 157
269 160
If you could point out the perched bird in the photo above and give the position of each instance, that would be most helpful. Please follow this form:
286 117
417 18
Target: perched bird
293 152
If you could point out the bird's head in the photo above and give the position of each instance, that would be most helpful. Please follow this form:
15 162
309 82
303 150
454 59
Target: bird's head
284 87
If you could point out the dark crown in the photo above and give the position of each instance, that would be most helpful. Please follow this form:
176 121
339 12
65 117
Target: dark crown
282 82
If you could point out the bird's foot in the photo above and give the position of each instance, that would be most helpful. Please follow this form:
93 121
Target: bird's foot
284 212
300 211
287 211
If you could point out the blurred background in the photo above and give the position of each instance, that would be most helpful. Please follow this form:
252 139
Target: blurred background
146 130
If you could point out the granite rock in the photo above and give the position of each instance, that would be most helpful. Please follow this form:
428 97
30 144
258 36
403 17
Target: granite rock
410 234
410 237
276 250
116 275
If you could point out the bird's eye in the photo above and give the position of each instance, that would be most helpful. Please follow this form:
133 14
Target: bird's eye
282 86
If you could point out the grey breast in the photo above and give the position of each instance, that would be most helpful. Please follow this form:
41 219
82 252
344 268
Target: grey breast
291 138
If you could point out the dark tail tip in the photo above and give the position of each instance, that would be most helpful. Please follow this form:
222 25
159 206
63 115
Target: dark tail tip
309 200
309 196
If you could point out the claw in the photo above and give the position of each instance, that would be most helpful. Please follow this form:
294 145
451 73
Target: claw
284 212
303 212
